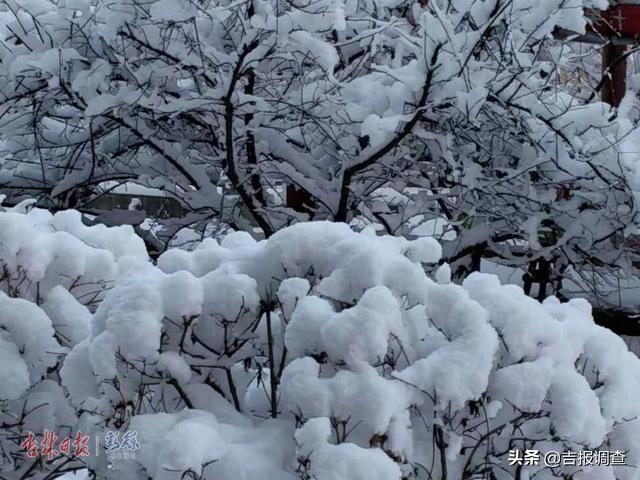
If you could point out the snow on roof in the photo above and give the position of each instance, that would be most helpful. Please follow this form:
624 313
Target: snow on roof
131 188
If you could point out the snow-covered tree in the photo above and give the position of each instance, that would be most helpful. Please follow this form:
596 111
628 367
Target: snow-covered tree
319 353
401 114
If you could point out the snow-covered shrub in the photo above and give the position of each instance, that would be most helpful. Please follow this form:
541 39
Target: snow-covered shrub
397 113
319 353
54 271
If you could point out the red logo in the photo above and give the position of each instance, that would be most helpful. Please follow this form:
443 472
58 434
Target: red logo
48 444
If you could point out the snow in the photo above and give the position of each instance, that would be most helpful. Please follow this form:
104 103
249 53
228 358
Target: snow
369 355
576 414
76 370
132 313
28 329
87 82
102 357
174 10
304 332
443 274
77 475
472 341
70 318
130 188
182 295
361 333
290 293
525 385
14 374
176 366
195 440
334 462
